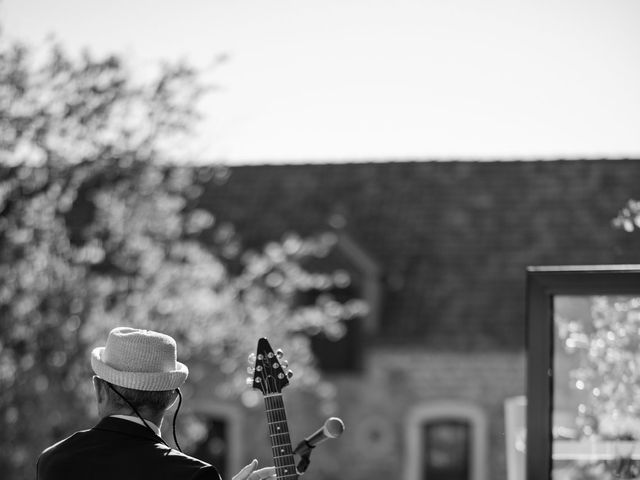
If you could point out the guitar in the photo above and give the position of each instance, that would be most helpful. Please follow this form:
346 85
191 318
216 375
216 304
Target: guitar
270 378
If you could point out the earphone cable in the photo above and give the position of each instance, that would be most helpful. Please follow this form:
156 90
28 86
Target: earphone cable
140 416
175 415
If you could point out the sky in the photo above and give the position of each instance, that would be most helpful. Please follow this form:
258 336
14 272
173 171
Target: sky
379 80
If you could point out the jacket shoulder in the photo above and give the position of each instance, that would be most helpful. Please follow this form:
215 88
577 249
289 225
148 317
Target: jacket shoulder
71 438
118 455
49 454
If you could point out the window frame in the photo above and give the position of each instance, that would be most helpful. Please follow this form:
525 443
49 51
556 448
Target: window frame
543 283
446 410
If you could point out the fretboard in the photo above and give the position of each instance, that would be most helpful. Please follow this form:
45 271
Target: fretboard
280 441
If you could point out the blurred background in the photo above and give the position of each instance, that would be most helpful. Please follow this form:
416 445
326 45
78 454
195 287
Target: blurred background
363 183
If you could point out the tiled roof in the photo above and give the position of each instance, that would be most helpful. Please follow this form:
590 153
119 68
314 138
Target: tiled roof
452 239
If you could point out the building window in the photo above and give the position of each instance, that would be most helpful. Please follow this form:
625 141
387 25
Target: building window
446 445
344 354
446 441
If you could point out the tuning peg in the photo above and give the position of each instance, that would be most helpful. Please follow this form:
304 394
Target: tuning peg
289 374
249 381
279 353
250 370
284 363
251 359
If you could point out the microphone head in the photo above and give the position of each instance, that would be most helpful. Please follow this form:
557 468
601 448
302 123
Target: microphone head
333 427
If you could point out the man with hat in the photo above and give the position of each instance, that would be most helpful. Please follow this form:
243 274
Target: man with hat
137 380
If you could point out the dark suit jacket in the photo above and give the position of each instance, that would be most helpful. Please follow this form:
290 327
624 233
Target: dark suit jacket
117 449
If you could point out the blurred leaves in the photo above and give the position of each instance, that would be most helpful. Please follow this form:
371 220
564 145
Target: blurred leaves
628 218
607 347
98 229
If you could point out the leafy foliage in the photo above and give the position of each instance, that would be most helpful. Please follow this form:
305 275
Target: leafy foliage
606 348
628 217
98 229
605 344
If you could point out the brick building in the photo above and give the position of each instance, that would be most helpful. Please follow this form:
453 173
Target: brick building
439 249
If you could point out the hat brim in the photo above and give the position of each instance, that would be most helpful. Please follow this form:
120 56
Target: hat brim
148 381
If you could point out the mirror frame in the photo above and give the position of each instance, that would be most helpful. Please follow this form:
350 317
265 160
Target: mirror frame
543 282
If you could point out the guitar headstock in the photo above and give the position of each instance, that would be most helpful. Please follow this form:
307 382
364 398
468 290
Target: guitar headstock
268 369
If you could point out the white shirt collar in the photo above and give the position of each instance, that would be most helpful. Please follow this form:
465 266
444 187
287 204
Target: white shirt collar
137 420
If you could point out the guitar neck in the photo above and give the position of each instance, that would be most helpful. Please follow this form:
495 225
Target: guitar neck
280 440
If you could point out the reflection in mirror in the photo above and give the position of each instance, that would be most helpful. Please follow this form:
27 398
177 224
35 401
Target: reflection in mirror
596 387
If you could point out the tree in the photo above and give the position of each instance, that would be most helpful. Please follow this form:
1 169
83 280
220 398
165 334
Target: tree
98 228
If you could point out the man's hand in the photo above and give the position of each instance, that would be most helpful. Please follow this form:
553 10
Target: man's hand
250 473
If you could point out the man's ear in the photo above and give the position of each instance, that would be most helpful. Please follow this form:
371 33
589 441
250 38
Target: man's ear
98 386
175 397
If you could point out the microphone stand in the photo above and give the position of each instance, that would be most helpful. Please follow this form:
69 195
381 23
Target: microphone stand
303 450
332 428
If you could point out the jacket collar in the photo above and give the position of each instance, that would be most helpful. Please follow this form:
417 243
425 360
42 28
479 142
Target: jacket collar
126 427
139 421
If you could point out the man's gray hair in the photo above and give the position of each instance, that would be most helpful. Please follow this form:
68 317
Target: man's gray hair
155 401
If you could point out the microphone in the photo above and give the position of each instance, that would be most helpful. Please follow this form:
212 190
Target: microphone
332 428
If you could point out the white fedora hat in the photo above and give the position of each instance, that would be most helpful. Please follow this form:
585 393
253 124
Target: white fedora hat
139 359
